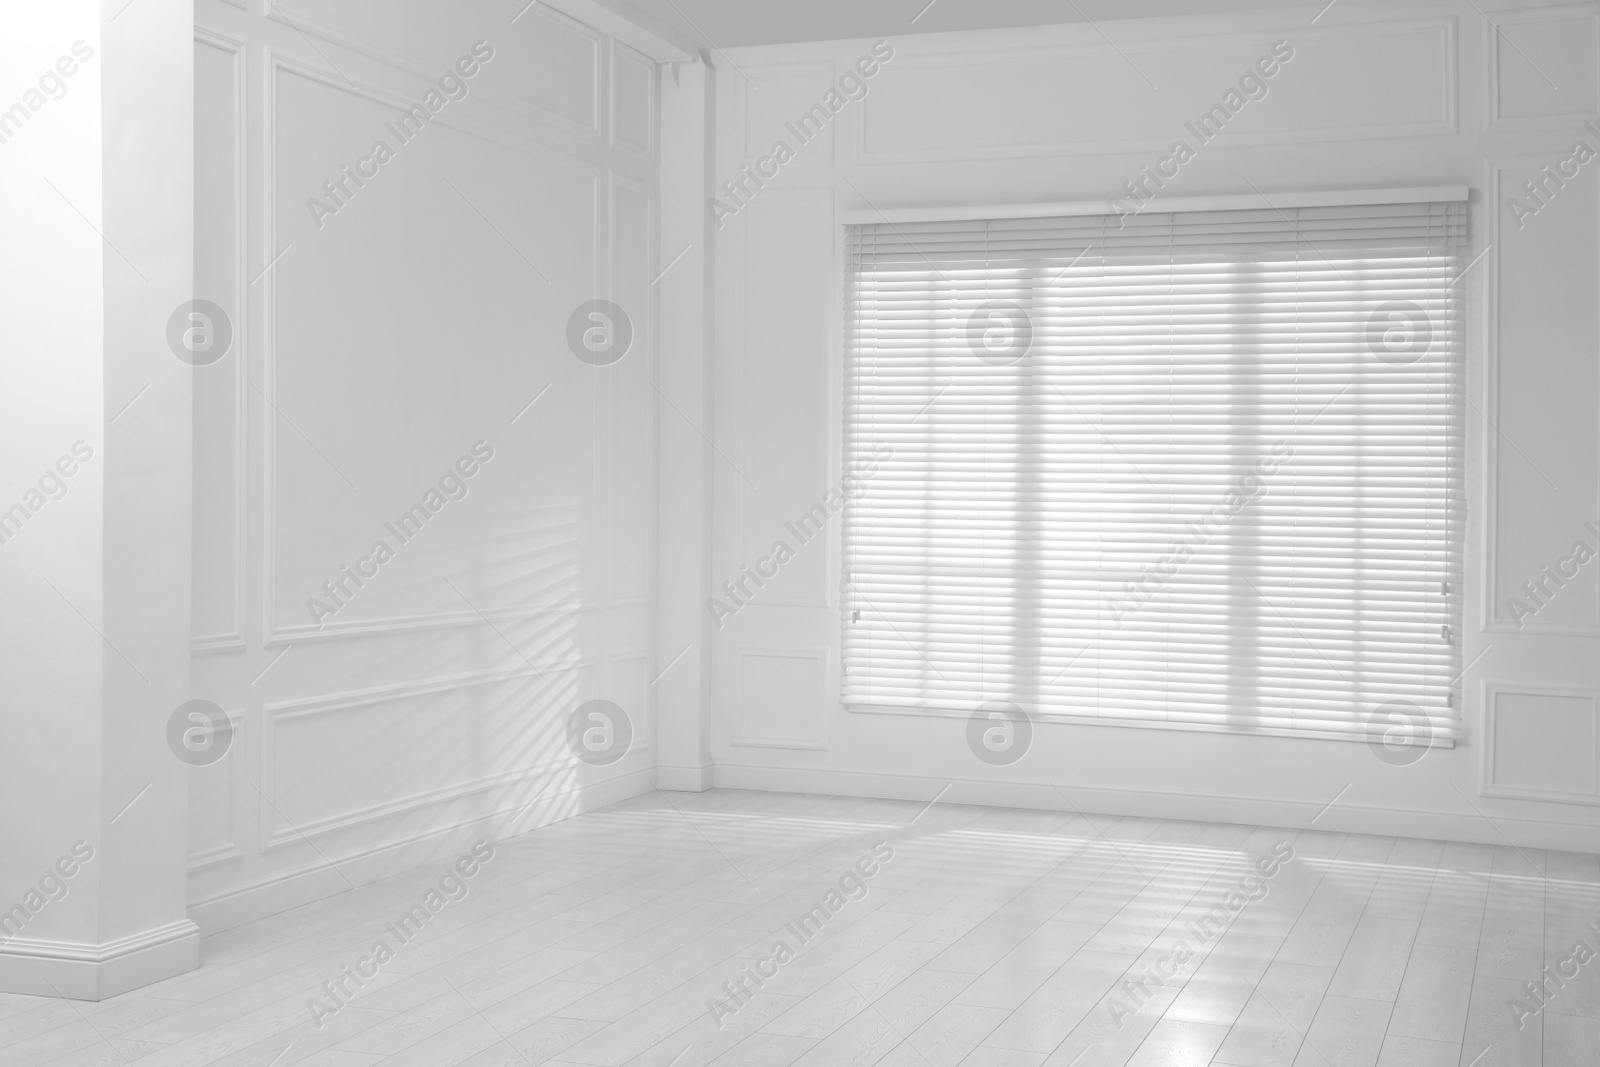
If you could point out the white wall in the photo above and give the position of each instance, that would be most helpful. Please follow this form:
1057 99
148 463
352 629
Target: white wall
1377 96
422 317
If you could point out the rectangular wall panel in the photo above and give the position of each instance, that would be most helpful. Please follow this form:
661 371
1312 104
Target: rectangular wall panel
440 740
782 416
217 590
544 65
1541 744
1544 67
630 557
633 107
402 295
1542 437
473 256
782 698
773 108
1393 81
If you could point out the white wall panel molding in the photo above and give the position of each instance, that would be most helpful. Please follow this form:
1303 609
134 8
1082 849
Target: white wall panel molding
511 137
277 833
234 769
783 697
1542 67
235 905
278 633
1551 503
633 72
297 18
633 27
237 361
88 971
780 94
401 624
631 409
959 91
627 683
527 146
1540 743
779 380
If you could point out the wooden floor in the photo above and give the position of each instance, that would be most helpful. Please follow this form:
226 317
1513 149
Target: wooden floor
993 938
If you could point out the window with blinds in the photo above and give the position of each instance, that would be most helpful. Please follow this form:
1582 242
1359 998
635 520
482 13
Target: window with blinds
1199 470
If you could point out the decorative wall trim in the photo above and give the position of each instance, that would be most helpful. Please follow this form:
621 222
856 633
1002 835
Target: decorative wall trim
275 634
274 837
1487 786
398 624
824 595
645 334
685 778
84 971
1494 50
808 156
235 47
577 156
236 765
420 68
643 717
1494 440
818 654
321 877
214 856
946 57
633 27
621 53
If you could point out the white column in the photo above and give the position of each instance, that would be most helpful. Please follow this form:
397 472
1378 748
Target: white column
96 182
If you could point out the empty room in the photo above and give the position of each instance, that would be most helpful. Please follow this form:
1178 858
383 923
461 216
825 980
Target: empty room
718 533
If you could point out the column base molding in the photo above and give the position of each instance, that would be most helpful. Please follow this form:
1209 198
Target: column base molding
82 971
684 778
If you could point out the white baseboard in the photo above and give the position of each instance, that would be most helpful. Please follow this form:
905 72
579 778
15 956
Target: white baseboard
1343 817
685 777
271 896
83 971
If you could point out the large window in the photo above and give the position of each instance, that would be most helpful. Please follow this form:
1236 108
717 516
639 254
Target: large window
1196 469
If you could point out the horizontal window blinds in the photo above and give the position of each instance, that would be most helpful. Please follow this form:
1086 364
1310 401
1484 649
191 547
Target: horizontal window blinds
1198 469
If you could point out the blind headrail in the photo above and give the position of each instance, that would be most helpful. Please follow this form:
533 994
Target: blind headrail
1162 204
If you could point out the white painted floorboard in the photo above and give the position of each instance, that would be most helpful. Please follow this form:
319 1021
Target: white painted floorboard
992 938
